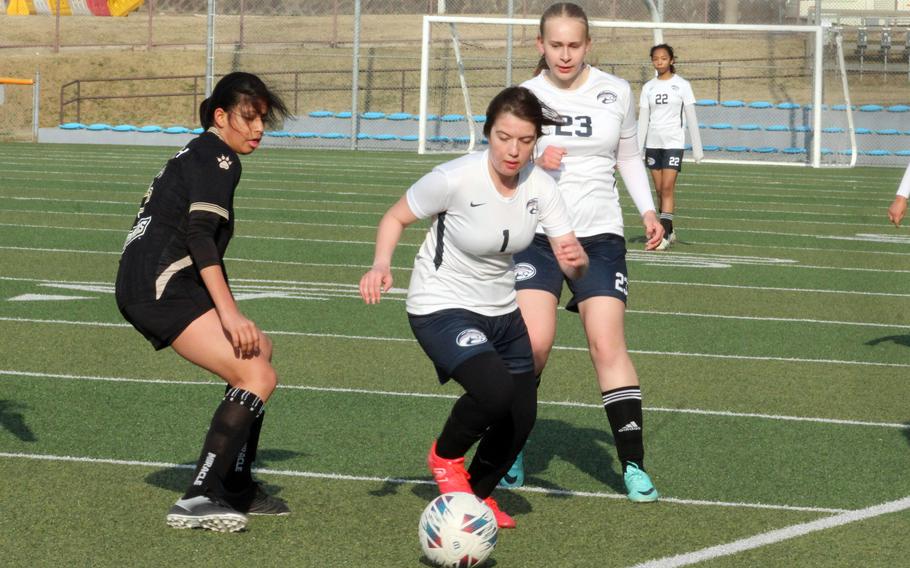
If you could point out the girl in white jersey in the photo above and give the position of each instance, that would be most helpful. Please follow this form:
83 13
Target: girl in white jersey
461 300
899 205
596 137
667 106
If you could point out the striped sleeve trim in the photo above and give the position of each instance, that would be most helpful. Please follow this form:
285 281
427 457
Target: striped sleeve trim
211 208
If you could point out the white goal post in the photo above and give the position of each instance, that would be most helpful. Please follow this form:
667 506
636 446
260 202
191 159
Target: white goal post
812 135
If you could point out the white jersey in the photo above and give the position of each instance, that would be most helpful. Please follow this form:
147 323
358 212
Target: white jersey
665 100
466 258
595 115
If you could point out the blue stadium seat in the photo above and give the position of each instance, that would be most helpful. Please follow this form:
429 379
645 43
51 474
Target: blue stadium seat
385 137
373 115
480 118
334 135
305 135
706 102
875 152
898 108
72 126
871 108
794 150
442 139
150 128
778 128
733 104
802 128
710 148
863 131
364 136
825 151
788 106
124 128
737 149
321 114
765 150
833 129
845 152
400 116
451 117
461 139
721 126
748 127
760 104
343 114
888 131
98 126
176 130
409 138
198 130
841 107
902 153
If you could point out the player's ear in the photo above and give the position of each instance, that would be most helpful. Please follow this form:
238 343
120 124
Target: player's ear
221 117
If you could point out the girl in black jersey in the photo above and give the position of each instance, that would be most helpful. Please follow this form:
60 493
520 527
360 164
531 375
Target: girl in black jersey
172 287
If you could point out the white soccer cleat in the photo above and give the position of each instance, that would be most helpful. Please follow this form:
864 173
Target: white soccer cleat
203 512
664 245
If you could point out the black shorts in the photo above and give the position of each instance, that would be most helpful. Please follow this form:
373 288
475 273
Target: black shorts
536 268
664 158
162 321
451 337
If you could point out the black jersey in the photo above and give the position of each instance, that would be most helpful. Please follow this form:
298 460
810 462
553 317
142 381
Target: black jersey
198 182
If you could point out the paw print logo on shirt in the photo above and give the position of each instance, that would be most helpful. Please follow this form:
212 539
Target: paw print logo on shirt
224 162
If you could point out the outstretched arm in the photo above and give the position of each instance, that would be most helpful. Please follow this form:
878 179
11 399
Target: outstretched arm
378 279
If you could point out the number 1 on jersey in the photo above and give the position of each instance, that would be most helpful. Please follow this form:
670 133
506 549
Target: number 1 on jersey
505 240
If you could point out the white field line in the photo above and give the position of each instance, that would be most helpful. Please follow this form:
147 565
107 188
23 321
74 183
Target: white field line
406 268
243 222
404 481
566 404
642 257
335 289
778 535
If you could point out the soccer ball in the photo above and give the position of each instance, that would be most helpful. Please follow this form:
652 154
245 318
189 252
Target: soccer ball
457 530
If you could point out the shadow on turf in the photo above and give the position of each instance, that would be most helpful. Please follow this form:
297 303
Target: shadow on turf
177 479
11 419
897 339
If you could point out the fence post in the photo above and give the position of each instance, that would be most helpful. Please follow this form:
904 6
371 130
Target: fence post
242 14
355 79
718 80
78 101
36 99
57 28
148 42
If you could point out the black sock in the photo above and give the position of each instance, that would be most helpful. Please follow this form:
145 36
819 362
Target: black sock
228 432
623 406
240 476
666 220
488 398
504 440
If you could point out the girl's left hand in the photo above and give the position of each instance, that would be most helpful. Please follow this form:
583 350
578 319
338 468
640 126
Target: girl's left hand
376 281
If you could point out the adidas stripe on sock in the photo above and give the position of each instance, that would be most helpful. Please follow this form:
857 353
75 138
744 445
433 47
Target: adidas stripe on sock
623 408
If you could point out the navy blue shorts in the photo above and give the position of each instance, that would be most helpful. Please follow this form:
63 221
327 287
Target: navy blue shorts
536 269
451 337
664 158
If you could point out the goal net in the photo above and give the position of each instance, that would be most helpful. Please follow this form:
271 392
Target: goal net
18 110
768 94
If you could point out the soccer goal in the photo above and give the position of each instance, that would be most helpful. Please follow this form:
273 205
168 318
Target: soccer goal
19 109
765 93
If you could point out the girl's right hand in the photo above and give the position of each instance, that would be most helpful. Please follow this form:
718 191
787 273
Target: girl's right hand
376 281
243 333
551 157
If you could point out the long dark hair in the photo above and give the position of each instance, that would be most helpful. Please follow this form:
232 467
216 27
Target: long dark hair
560 10
669 52
237 89
525 105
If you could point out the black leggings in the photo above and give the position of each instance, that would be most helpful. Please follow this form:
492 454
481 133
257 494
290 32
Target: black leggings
499 409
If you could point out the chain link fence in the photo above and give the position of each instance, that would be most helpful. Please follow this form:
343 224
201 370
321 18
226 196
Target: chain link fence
150 67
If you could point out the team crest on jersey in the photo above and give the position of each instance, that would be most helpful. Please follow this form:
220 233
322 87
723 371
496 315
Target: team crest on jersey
533 207
524 271
137 231
470 337
607 97
651 161
224 162
674 87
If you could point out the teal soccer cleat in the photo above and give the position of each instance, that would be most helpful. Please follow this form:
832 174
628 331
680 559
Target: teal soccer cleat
639 486
515 477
